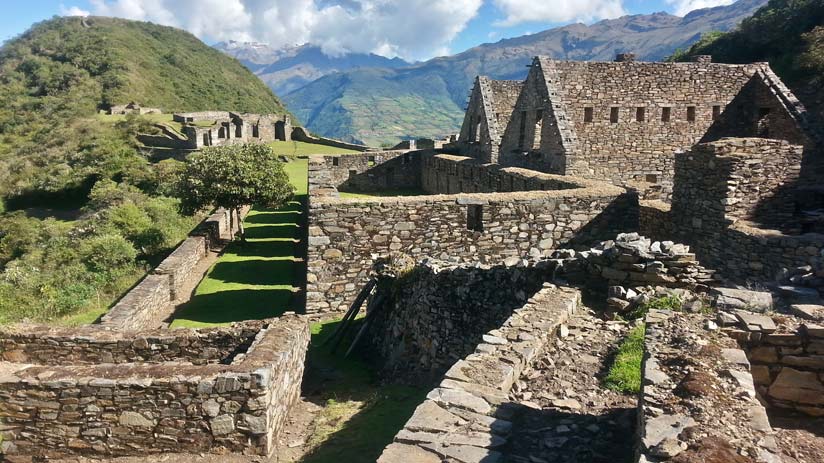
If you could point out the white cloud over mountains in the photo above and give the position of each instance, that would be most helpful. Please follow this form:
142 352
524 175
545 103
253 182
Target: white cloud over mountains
412 29
520 11
683 7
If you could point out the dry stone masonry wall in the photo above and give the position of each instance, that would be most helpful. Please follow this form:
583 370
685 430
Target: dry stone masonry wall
787 364
367 172
176 405
347 235
460 419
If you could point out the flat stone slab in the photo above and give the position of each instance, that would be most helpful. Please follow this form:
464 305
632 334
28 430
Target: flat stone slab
755 322
403 453
430 417
460 399
665 427
465 453
808 311
734 298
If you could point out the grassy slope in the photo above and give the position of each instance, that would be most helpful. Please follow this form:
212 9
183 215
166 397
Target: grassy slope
371 107
789 34
255 280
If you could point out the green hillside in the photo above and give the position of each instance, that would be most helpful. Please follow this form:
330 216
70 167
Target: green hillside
84 212
789 34
374 106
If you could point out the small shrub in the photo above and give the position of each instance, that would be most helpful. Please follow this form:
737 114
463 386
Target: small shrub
672 303
107 253
625 372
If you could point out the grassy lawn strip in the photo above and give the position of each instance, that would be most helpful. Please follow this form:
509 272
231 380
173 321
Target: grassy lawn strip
360 416
625 372
255 280
299 148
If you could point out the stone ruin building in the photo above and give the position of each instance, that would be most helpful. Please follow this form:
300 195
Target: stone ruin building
628 180
133 108
216 128
228 127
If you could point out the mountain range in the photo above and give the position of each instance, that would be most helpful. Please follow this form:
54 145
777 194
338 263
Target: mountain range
287 69
378 103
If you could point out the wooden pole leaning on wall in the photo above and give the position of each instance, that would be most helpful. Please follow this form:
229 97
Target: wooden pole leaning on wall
345 322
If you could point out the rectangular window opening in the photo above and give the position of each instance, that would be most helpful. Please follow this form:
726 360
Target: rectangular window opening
640 114
336 161
665 114
651 178
690 113
716 112
588 112
613 114
475 218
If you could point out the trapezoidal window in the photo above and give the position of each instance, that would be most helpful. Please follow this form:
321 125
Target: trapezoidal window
690 113
336 161
716 112
613 114
475 218
522 131
539 123
666 113
763 123
238 131
256 131
588 114
640 114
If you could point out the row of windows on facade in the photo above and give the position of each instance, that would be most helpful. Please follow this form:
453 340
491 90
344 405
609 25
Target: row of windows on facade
641 113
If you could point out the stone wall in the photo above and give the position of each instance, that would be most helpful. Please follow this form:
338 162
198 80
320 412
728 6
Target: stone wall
788 367
107 410
145 306
438 312
90 345
181 262
448 174
347 235
654 220
200 116
301 134
149 304
371 171
725 193
458 419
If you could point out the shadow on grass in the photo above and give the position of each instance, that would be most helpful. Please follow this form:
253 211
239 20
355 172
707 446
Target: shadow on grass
256 272
283 248
271 232
289 214
231 306
334 381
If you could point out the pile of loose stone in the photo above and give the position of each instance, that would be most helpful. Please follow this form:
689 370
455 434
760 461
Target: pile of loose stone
561 410
633 260
698 401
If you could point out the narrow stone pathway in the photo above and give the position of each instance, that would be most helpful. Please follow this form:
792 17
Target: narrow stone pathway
561 413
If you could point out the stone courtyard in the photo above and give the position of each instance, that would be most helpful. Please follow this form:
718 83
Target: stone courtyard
571 213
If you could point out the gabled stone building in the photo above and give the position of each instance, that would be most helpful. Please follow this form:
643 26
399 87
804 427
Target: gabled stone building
623 121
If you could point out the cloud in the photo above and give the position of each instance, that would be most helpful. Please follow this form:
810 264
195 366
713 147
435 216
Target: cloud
73 11
682 7
412 29
521 11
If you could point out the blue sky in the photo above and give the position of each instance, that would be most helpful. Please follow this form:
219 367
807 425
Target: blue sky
412 29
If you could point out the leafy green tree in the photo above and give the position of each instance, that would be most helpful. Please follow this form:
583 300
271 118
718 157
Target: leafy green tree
231 177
